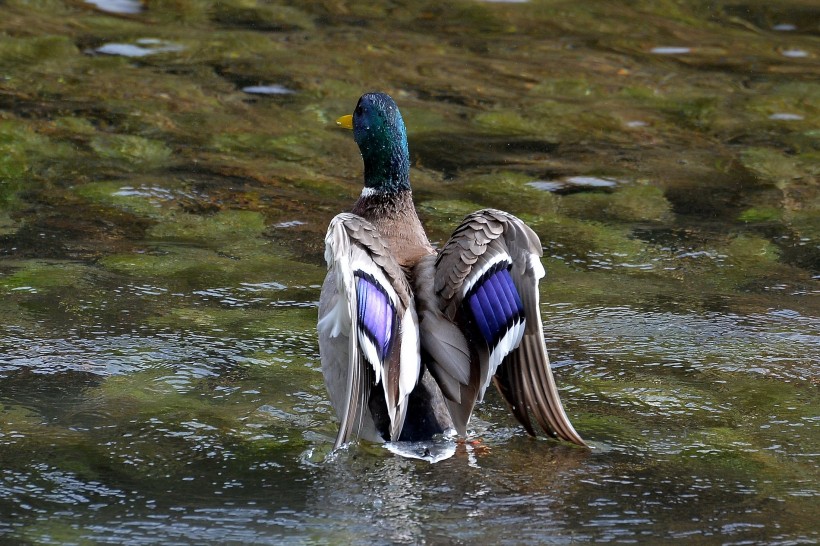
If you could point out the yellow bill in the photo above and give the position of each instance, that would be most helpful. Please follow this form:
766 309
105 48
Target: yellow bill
345 122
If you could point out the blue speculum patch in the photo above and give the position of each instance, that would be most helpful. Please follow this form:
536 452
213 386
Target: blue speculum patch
376 314
495 304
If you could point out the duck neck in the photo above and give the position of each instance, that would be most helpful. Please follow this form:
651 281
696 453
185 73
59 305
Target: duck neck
387 167
394 215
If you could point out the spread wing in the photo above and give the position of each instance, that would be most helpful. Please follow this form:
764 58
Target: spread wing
368 328
486 281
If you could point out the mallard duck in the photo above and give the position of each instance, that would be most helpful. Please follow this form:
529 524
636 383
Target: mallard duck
410 338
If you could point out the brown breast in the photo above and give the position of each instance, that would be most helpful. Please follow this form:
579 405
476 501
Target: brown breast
394 215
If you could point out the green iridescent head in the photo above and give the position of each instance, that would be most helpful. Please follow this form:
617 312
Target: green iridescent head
382 138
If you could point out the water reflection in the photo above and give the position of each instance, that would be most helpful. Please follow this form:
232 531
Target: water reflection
670 50
571 182
273 89
785 116
143 47
794 53
393 500
117 6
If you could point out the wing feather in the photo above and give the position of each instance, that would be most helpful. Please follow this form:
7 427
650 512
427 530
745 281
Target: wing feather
368 328
486 281
446 350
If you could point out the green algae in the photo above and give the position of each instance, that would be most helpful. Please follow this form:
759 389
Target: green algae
123 197
220 228
58 531
25 153
43 275
507 123
632 203
134 150
203 267
770 166
235 416
583 237
284 148
248 13
36 51
760 214
251 322
7 224
806 222
751 252
199 267
798 98
19 421
511 188
577 88
73 126
698 112
139 198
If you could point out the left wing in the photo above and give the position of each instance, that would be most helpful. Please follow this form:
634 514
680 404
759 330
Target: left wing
368 328
486 279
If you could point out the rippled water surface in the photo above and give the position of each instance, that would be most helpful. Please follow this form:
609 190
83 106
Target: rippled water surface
168 170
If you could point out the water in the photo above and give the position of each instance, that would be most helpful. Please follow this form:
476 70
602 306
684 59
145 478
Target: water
166 178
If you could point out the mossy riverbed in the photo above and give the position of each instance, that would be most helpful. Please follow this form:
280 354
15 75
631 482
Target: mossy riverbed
167 173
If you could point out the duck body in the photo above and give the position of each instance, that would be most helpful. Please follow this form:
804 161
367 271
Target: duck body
409 337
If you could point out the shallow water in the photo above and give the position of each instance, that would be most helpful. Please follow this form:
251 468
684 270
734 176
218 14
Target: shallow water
168 170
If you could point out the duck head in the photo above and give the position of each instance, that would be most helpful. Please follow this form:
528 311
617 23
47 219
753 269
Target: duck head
378 129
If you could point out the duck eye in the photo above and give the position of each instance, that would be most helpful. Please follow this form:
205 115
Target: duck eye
359 110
